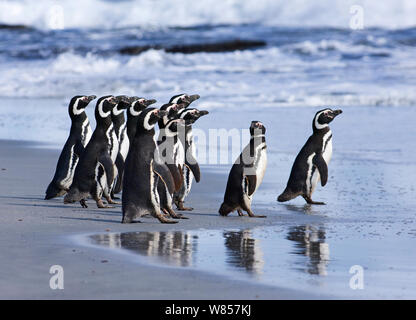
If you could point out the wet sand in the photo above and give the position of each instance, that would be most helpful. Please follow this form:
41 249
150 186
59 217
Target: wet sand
297 252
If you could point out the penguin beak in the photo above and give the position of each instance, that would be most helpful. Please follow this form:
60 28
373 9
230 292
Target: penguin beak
193 97
336 112
203 113
149 102
90 98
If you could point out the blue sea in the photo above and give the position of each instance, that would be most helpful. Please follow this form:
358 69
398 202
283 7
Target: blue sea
314 56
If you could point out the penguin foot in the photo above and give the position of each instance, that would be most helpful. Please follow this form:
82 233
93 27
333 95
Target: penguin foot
101 205
175 215
310 201
111 201
180 207
240 213
163 219
252 215
83 203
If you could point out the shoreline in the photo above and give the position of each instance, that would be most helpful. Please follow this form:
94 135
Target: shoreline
36 236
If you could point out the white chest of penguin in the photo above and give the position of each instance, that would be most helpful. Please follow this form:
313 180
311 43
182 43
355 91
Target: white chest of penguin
260 163
327 147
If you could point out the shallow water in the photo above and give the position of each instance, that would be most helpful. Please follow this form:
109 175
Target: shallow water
306 257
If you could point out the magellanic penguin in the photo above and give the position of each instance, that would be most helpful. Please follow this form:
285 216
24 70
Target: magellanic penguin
143 170
246 174
311 164
190 165
171 152
95 171
118 140
79 136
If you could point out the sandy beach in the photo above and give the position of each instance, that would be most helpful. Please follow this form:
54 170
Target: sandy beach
297 252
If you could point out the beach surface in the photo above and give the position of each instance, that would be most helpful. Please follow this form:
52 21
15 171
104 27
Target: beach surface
297 252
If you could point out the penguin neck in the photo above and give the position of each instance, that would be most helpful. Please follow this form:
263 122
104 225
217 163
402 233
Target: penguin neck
103 123
322 131
118 120
78 120
255 142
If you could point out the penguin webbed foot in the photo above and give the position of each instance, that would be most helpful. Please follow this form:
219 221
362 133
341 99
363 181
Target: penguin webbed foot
101 205
252 215
181 207
310 201
163 219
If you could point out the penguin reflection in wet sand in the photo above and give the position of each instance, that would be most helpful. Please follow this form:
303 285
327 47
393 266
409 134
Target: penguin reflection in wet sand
311 164
95 171
78 138
246 174
143 170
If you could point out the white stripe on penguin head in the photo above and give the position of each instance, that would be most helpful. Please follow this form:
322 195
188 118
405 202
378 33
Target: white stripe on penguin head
317 124
117 111
133 112
146 123
177 98
75 109
100 109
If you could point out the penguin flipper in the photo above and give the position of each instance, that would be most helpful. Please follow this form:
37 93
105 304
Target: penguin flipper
194 167
107 163
164 174
252 182
79 149
177 176
322 167
120 168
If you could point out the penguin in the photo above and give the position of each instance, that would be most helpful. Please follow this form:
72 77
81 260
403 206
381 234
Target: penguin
118 140
95 171
171 151
190 167
79 136
133 113
311 164
246 174
142 171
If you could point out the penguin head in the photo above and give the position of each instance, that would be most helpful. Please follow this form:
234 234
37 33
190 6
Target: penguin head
78 104
184 98
190 115
138 105
257 128
324 117
123 104
172 110
104 106
148 118
173 126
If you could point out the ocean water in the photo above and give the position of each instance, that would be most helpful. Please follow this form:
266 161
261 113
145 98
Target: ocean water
312 58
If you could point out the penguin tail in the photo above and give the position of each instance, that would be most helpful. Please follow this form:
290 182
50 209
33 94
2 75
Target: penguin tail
225 209
52 191
287 195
